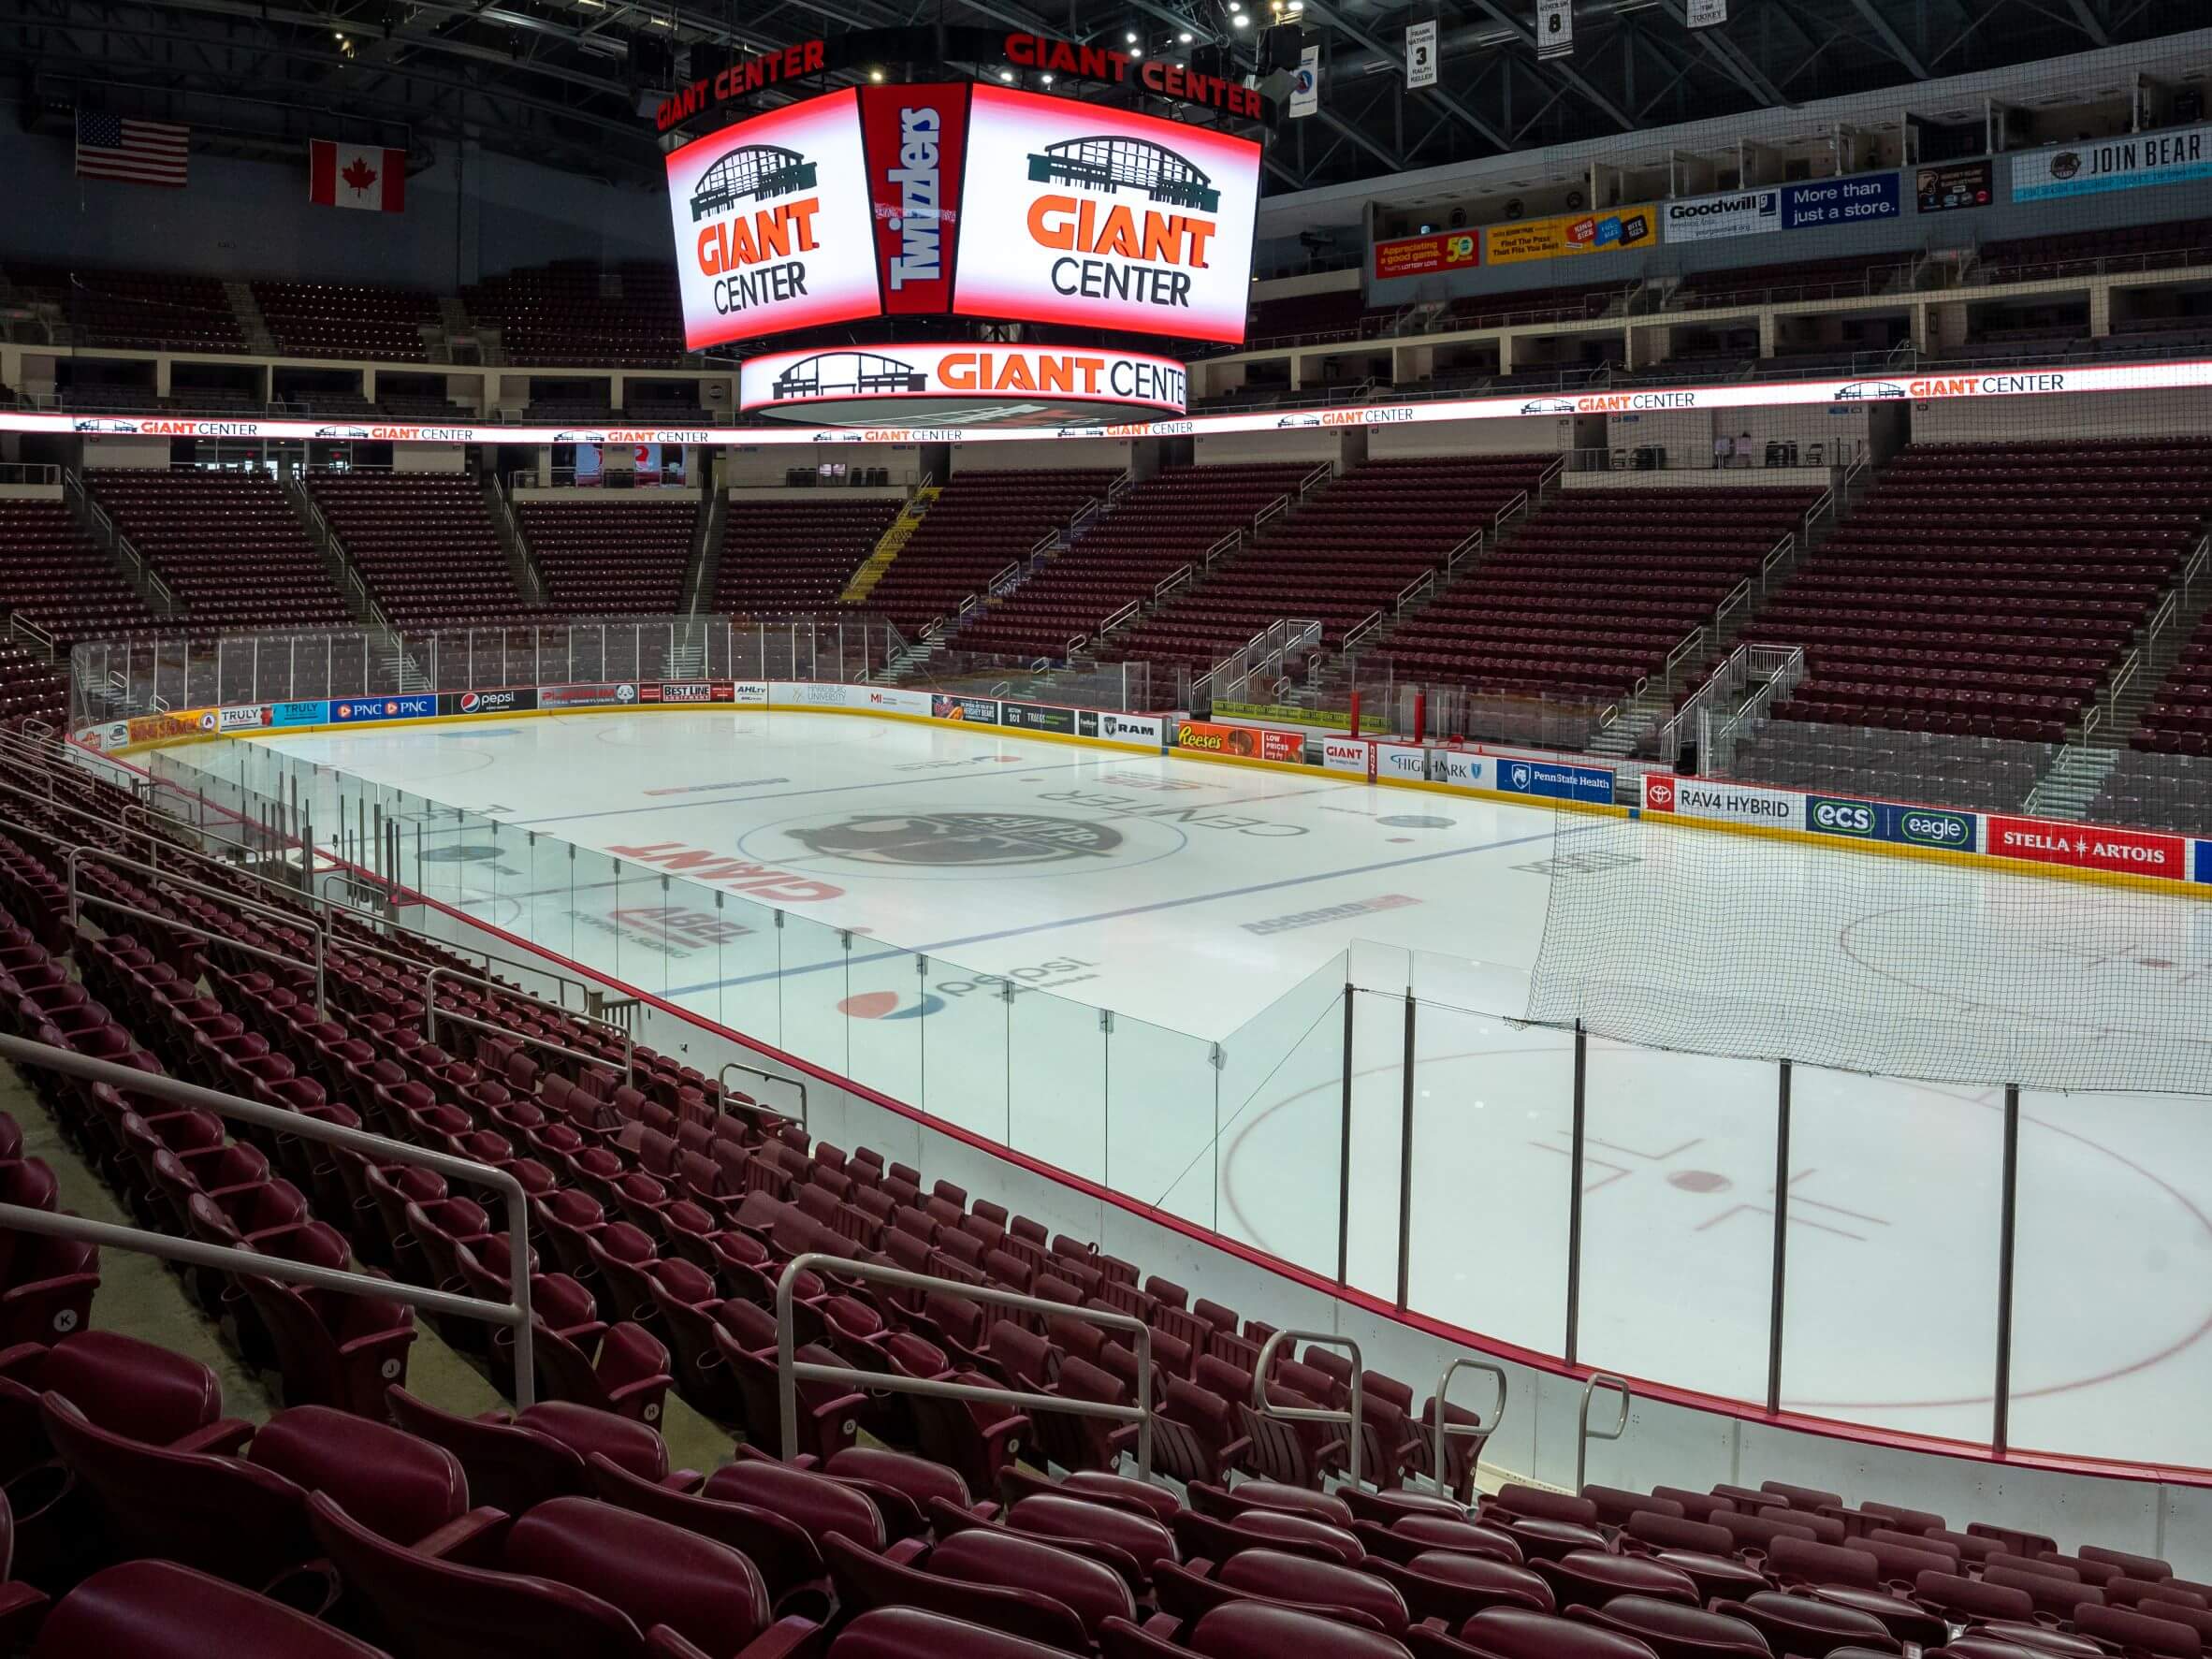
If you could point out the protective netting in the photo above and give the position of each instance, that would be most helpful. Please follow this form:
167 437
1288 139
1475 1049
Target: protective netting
1680 937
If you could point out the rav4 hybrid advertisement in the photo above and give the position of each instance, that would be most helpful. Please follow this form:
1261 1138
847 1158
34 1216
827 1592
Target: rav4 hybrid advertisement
984 201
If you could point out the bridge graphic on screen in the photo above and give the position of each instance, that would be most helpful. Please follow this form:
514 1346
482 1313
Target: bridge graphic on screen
862 373
1112 163
757 173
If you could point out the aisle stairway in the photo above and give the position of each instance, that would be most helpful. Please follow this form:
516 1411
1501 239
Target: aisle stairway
889 545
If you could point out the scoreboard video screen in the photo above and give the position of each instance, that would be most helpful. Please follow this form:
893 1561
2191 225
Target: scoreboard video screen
974 201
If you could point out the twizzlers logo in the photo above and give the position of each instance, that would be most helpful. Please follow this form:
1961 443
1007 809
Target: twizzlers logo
916 144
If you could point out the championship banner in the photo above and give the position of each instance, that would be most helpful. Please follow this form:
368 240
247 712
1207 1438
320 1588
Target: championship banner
1555 28
1956 185
1421 55
1609 232
1706 14
1424 255
1306 86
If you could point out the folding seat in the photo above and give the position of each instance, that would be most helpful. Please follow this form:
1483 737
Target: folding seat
47 1292
1284 1579
245 1520
789 1566
1136 1543
816 1504
1591 1577
515 1460
571 1576
157 1609
975 1439
1201 1537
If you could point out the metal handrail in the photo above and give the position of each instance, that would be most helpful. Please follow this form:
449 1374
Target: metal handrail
430 1016
290 918
722 1077
1303 1414
514 1313
790 1372
1584 1434
1474 1431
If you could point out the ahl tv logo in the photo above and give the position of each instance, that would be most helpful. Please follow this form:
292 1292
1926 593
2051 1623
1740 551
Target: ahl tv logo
968 840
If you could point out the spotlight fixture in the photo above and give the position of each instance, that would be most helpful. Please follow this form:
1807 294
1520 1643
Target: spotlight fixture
1185 36
1046 78
1006 75
1238 20
1131 37
1135 51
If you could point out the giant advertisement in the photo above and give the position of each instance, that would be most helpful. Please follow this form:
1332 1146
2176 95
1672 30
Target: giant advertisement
1612 231
1021 374
2131 162
1087 216
773 225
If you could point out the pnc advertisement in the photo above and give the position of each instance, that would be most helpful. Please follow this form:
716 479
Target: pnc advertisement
1081 215
772 224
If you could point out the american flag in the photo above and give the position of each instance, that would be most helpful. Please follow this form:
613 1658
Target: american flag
143 152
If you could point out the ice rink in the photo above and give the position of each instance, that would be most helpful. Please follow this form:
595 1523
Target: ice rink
1207 904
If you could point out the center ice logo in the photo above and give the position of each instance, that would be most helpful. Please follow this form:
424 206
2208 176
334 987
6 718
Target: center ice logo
975 839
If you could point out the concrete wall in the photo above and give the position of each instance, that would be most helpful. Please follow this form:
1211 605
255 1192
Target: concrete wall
1066 453
2034 420
1313 444
126 452
763 466
1532 435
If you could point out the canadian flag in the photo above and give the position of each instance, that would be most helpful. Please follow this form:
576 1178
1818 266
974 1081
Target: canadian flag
354 176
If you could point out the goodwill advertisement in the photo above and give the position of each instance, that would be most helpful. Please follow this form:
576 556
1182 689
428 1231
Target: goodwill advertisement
1608 232
2133 162
1862 198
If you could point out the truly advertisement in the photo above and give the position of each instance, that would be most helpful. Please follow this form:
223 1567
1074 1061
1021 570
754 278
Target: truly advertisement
1554 780
1255 743
2088 847
1612 231
248 717
313 712
2131 162
845 374
1425 256
772 224
1083 215
592 694
1725 803
415 706
1887 821
1038 717
975 712
916 139
503 700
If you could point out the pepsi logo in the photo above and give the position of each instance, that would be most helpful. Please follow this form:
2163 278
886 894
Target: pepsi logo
470 702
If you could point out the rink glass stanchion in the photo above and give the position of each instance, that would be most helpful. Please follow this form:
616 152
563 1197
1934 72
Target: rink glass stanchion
1584 1434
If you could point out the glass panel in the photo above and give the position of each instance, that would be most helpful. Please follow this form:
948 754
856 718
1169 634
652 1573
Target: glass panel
746 997
813 987
1280 1151
1677 1216
1056 1082
1891 1315
2108 1278
1162 1115
548 915
887 1018
964 1055
1494 1137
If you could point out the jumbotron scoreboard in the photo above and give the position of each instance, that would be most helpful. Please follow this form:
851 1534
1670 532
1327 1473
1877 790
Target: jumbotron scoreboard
963 200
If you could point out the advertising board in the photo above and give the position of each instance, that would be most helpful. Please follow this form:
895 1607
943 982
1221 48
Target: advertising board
780 381
1558 780
592 694
2088 847
413 707
1255 743
498 700
1425 256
